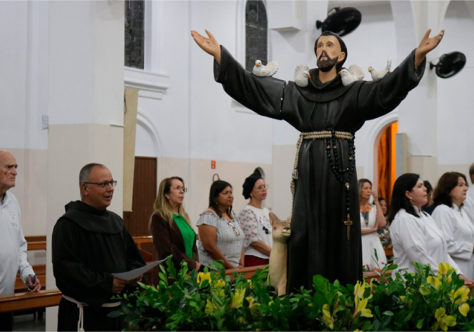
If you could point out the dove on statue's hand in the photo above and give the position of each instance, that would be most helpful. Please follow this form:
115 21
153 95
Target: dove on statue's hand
265 70
378 74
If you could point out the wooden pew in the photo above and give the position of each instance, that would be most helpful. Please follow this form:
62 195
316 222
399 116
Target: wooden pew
36 242
249 272
28 301
145 245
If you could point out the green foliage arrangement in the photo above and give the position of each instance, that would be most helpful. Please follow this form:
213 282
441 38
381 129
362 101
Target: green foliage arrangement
213 301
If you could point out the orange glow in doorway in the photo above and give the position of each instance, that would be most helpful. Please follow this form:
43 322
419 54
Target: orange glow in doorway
386 161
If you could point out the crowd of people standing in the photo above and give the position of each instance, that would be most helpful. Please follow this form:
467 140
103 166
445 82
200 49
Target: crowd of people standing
420 227
87 232
404 225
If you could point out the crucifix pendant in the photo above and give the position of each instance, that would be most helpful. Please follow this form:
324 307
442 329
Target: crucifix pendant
348 224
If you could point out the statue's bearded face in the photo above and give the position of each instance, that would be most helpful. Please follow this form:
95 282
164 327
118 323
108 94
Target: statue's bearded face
328 53
325 63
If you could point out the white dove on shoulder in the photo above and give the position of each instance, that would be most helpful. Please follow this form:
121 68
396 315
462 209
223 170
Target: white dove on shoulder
349 76
302 76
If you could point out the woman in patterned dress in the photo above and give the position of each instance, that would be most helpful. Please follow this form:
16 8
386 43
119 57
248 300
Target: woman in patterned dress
255 221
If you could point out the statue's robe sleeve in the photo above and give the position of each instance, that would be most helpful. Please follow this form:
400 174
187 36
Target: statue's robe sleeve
263 95
377 98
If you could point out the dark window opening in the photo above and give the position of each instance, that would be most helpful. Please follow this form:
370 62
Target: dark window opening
134 33
256 26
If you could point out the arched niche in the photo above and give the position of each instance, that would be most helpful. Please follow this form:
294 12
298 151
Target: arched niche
147 139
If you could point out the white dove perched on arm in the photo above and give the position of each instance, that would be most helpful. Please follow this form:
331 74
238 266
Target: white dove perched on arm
378 74
261 70
354 73
302 75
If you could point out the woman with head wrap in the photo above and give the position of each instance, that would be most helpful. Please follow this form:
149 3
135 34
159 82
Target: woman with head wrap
220 235
451 218
255 221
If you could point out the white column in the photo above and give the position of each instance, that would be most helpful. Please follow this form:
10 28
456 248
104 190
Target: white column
85 95
418 112
293 35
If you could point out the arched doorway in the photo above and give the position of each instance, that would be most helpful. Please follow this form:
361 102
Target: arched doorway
386 168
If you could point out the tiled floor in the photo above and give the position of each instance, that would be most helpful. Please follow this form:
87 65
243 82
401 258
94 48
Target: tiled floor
28 322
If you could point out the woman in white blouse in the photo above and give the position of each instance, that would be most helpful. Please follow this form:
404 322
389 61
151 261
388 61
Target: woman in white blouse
371 220
458 230
220 235
415 235
255 221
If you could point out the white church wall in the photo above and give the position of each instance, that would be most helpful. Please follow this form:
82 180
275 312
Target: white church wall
23 77
194 121
218 131
372 44
169 114
13 64
23 103
455 97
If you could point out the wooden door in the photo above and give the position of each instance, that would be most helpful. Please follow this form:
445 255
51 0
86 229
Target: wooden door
386 162
144 194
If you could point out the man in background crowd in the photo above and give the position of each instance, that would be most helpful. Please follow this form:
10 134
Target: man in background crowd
12 241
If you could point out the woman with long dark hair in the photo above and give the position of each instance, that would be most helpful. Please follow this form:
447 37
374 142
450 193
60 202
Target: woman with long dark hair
415 235
170 225
220 235
449 214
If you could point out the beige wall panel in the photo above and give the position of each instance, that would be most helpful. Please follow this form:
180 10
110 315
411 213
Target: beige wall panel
30 189
360 170
464 169
173 167
283 158
426 166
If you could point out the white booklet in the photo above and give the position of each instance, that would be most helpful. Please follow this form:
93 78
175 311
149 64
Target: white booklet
135 273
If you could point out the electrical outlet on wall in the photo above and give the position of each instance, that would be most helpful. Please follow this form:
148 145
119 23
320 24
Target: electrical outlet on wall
44 121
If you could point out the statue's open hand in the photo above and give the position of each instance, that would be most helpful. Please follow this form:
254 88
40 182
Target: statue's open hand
209 45
427 44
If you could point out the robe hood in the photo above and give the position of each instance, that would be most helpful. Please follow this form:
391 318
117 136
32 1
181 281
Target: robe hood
324 92
93 220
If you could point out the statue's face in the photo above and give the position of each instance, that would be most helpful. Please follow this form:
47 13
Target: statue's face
328 53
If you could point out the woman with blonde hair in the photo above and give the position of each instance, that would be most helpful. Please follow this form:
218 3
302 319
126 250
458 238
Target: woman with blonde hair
171 227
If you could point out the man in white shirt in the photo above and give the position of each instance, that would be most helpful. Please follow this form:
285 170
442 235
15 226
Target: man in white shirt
12 241
469 202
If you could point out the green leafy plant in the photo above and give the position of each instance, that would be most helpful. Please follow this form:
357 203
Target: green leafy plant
210 300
